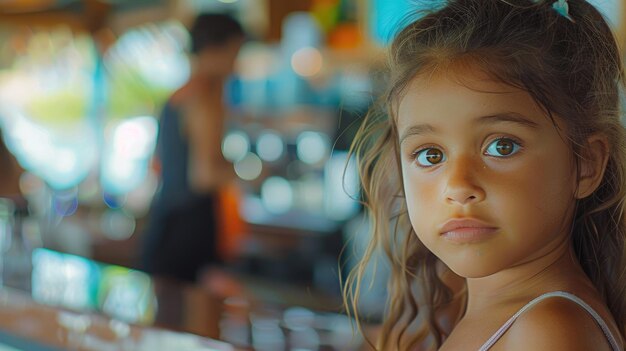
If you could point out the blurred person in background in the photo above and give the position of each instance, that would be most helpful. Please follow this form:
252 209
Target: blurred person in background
10 173
180 239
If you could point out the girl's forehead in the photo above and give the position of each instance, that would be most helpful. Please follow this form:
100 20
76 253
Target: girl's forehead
467 88
456 96
463 75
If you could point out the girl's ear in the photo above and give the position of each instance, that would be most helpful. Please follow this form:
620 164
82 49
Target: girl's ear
592 165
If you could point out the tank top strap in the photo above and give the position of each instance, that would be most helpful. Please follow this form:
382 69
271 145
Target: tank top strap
605 329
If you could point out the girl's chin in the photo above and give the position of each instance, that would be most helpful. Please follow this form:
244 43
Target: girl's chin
469 270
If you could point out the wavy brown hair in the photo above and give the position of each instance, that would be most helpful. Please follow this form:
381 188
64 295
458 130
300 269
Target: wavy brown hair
571 68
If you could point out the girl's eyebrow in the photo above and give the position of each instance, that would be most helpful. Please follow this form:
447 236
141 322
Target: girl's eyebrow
419 129
505 117
513 117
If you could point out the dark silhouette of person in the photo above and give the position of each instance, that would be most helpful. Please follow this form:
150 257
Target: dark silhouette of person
180 238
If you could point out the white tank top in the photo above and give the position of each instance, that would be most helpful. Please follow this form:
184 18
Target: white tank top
605 329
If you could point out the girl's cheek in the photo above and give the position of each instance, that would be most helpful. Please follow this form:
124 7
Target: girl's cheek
421 190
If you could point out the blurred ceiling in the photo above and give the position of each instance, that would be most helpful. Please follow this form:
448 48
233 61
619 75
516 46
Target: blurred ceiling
89 15
24 6
37 6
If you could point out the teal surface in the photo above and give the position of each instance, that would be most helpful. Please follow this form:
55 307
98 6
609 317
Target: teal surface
10 342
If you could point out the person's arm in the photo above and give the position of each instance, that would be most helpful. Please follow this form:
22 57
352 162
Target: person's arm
11 172
204 126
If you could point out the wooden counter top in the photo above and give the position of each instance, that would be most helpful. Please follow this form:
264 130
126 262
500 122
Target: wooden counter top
77 304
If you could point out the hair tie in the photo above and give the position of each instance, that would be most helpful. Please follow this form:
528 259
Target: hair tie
562 8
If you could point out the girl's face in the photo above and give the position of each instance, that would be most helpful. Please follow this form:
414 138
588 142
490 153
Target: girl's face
488 179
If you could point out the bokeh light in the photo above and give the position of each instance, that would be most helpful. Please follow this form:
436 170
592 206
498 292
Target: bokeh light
270 145
341 187
307 62
117 224
249 168
61 279
127 153
135 138
312 147
62 156
164 43
235 146
277 195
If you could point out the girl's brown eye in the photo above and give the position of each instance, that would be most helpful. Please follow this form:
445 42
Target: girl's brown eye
505 147
502 147
430 157
434 156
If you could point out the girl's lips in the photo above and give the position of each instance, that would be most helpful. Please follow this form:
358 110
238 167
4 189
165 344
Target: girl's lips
469 235
466 230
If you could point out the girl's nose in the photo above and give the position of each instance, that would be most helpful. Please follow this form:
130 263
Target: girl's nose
462 186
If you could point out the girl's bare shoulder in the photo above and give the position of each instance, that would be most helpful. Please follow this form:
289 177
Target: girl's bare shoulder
556 324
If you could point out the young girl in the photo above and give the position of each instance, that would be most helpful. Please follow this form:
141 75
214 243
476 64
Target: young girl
495 180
